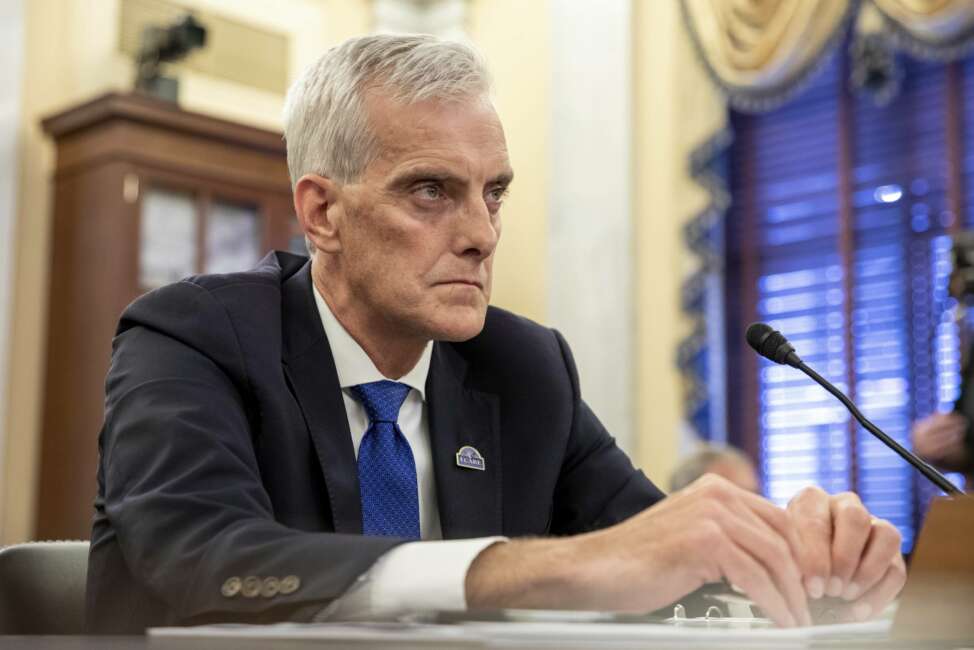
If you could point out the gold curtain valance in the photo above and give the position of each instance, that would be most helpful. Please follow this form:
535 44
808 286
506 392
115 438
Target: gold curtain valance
941 29
759 51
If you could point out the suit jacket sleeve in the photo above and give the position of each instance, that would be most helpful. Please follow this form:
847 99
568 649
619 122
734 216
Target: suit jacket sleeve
181 482
597 486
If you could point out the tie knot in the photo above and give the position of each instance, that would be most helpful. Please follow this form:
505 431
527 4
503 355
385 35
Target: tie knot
381 399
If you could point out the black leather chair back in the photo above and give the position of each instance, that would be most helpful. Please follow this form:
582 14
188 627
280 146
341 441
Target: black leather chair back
42 588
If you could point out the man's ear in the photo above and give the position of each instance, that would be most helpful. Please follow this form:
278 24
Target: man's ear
317 206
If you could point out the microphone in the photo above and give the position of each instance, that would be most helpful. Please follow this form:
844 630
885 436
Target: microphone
771 344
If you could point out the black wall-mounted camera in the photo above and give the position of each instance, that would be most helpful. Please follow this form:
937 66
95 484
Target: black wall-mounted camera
163 45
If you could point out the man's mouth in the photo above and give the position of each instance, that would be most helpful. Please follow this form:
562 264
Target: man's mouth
465 282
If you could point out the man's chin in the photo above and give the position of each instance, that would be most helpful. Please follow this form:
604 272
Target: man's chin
461 328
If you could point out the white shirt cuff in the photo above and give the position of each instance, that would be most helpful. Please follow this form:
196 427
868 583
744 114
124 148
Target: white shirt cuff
413 577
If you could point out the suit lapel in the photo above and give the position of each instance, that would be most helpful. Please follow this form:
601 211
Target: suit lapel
310 369
469 499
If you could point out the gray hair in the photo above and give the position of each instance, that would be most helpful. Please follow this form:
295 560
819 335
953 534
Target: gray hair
325 122
697 464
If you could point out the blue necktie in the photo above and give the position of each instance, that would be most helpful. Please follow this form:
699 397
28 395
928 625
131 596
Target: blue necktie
386 469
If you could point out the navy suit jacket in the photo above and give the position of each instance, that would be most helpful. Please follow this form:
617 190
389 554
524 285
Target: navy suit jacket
226 453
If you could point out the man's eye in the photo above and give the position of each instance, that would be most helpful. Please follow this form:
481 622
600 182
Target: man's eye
497 194
429 192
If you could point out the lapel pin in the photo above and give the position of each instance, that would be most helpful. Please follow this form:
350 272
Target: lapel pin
470 458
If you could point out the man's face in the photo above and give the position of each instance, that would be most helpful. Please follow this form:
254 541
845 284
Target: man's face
421 224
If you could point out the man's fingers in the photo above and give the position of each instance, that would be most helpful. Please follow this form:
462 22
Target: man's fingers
755 552
776 518
811 517
882 551
956 420
942 421
748 574
949 422
851 530
936 435
945 436
772 551
941 446
874 601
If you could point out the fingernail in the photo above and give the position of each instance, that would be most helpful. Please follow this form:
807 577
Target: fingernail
815 587
851 591
834 589
862 611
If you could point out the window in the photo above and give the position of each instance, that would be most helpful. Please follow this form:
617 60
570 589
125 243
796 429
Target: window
839 237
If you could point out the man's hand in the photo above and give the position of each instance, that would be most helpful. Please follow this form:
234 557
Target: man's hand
939 439
711 530
845 553
708 531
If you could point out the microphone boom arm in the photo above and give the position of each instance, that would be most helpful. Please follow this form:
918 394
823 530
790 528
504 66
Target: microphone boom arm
921 466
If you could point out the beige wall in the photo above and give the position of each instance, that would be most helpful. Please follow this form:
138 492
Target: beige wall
12 39
71 56
515 39
675 108
59 69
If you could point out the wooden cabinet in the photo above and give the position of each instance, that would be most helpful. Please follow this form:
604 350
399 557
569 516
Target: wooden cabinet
144 194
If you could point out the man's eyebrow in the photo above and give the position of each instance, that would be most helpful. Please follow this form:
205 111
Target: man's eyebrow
504 179
408 178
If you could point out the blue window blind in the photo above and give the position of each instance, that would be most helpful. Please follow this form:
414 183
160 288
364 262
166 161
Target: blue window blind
839 237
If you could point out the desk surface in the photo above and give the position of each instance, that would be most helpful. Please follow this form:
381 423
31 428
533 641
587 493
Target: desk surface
146 643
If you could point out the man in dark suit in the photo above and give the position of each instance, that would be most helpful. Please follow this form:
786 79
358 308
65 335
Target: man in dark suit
285 443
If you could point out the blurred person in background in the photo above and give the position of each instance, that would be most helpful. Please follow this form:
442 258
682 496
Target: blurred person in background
946 439
727 462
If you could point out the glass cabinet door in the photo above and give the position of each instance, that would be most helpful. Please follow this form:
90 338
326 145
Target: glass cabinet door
233 237
167 237
183 233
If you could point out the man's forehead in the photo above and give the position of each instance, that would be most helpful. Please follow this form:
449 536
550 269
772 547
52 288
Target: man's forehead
449 129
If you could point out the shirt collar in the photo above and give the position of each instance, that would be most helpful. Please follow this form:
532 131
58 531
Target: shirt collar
352 363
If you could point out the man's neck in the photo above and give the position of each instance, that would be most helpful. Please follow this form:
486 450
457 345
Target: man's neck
392 354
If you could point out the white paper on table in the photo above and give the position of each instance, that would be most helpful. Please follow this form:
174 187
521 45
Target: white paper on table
450 635
558 634
569 635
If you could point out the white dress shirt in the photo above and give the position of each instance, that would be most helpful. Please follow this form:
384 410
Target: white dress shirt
417 576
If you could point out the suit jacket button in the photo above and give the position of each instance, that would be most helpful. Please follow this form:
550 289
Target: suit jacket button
251 587
289 584
271 587
231 587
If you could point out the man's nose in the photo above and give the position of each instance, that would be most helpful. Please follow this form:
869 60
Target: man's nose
477 230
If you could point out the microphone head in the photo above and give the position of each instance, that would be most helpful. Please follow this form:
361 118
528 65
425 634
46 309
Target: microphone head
771 344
